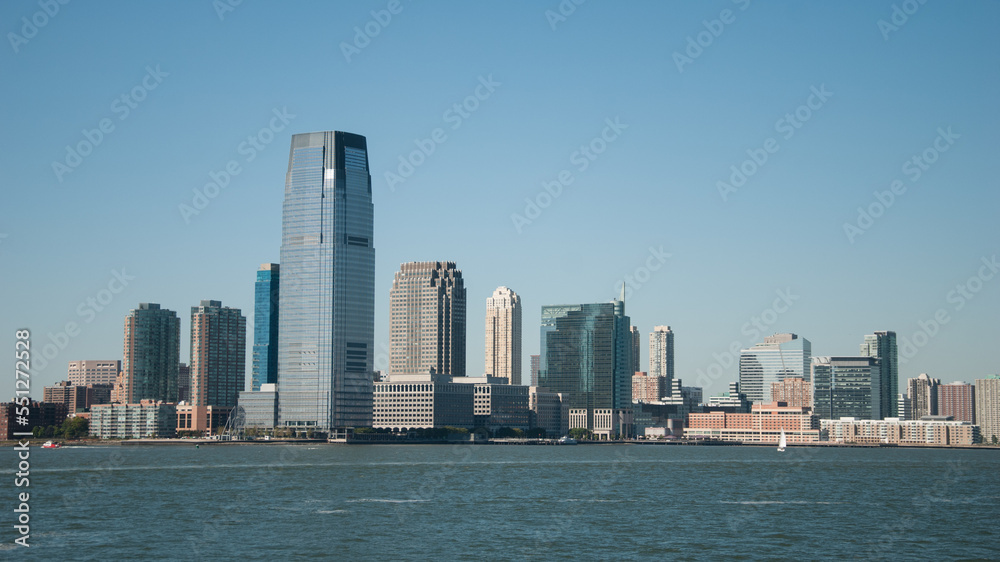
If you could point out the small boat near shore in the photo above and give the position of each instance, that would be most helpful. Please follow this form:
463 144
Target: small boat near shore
51 445
566 440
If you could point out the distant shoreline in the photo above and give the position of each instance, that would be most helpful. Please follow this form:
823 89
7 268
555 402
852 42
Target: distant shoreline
214 442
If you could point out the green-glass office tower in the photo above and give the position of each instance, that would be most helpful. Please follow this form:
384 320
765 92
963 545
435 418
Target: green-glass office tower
883 346
586 353
326 305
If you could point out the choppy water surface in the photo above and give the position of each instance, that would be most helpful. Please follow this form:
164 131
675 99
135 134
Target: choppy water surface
506 502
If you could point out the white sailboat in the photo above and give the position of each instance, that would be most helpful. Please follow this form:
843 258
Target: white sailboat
781 442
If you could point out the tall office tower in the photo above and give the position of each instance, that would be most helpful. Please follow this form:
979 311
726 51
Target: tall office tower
988 408
264 369
780 356
427 319
152 354
883 346
634 330
847 387
535 359
326 303
922 391
183 382
903 407
958 400
218 354
503 335
661 353
95 371
586 354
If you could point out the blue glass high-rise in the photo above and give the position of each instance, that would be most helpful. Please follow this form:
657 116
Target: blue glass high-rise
264 369
326 306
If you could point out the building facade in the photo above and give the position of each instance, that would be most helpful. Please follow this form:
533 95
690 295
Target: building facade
548 411
77 398
497 403
646 387
218 354
661 353
39 414
779 356
847 387
260 408
586 355
503 335
151 355
94 371
794 391
326 303
423 401
988 407
264 369
883 346
146 419
635 347
900 432
958 400
427 319
732 402
922 391
535 360
763 424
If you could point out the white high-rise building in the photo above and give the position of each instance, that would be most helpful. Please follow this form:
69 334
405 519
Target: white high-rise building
988 407
503 335
661 353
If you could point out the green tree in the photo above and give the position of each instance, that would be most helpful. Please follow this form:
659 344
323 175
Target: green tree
580 433
75 428
37 431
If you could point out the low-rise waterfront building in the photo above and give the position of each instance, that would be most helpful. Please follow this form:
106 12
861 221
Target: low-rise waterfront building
763 424
40 414
260 408
148 418
206 420
425 400
77 398
498 404
931 430
547 410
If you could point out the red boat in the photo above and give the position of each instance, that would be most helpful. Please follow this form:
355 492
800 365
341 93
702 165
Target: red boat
51 445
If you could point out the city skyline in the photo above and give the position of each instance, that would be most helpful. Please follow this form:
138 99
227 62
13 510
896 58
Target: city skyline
709 263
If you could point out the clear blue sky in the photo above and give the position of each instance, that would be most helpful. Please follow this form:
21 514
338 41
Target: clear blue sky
656 184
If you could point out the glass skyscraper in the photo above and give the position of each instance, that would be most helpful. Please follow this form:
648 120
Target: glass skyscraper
846 387
883 346
152 354
326 305
264 369
586 353
780 356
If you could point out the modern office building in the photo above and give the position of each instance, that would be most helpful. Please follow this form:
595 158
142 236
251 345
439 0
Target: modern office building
425 400
148 418
731 402
183 382
548 410
661 353
903 407
779 356
151 355
503 335
535 359
586 354
77 398
218 354
635 347
922 391
847 387
958 400
763 424
894 431
988 407
203 420
883 346
498 403
264 367
93 371
427 319
326 304
794 391
260 407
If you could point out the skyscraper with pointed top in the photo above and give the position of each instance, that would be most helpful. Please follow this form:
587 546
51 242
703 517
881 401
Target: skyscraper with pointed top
503 335
326 304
